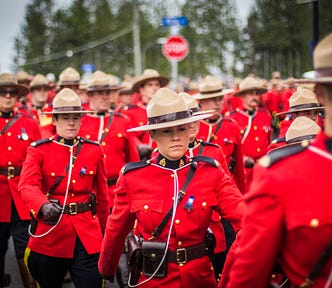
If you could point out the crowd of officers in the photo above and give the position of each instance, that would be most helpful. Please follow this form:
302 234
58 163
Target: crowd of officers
84 164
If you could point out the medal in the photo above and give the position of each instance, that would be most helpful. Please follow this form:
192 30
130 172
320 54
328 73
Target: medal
24 135
83 171
189 204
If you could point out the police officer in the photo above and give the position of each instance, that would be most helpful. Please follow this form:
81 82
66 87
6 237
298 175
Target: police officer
63 184
289 216
221 130
148 200
17 131
109 128
255 124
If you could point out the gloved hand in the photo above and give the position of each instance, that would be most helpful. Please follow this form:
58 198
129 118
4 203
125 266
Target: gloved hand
249 162
51 213
144 151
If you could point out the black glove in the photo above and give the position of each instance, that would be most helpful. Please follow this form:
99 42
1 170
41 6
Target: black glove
51 213
109 278
249 162
144 151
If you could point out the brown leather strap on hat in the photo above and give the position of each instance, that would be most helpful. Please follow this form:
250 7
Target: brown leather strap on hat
74 208
10 171
183 255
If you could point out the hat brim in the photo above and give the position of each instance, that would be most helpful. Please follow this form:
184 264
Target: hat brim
260 90
324 80
204 112
21 90
300 110
150 127
66 112
162 80
224 92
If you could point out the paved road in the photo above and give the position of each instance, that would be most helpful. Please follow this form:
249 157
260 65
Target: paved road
12 269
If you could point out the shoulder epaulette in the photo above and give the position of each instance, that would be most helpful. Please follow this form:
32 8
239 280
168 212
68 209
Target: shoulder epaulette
88 141
282 153
39 142
135 165
119 114
278 140
205 159
209 144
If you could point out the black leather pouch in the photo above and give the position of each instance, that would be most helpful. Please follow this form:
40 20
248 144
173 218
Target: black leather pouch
153 253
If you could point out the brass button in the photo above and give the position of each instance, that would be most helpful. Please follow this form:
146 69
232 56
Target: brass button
172 175
103 143
314 223
87 136
32 212
73 181
9 163
204 204
6 121
52 174
9 148
177 221
72 194
255 127
146 207
179 243
181 264
91 172
94 216
241 131
119 135
9 134
256 138
258 149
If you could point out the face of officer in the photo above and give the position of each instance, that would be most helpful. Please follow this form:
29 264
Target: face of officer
126 99
101 101
39 96
173 141
324 97
313 114
214 104
193 131
67 125
148 90
8 97
250 100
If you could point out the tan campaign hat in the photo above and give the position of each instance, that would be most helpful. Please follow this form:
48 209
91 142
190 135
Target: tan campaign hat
148 75
100 81
167 109
302 128
193 105
67 102
127 88
249 84
23 76
9 80
211 87
303 99
39 81
69 76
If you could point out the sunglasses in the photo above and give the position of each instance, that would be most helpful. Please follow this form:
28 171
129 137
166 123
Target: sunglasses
12 93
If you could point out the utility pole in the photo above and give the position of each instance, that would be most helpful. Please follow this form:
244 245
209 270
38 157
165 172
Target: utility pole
136 40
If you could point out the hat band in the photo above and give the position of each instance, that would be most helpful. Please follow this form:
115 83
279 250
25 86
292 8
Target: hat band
170 117
301 138
8 83
70 82
304 106
323 72
210 92
67 109
103 87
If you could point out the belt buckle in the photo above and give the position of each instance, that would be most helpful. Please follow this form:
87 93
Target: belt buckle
10 172
72 208
181 255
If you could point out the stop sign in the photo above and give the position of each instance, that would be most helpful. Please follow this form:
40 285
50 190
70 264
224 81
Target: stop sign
175 48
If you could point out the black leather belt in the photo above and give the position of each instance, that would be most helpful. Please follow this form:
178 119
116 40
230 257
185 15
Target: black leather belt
112 181
10 171
74 208
183 255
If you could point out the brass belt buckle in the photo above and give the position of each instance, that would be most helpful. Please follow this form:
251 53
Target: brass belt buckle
72 208
10 172
181 256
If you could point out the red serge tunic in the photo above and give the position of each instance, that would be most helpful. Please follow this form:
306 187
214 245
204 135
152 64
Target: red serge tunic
145 194
13 146
46 160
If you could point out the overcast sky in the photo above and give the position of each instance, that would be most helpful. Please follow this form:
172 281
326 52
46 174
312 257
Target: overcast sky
12 18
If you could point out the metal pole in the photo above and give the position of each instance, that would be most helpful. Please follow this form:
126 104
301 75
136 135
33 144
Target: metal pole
136 39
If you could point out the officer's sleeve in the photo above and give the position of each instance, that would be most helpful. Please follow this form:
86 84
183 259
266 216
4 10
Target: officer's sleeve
119 224
258 245
31 181
231 203
102 192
